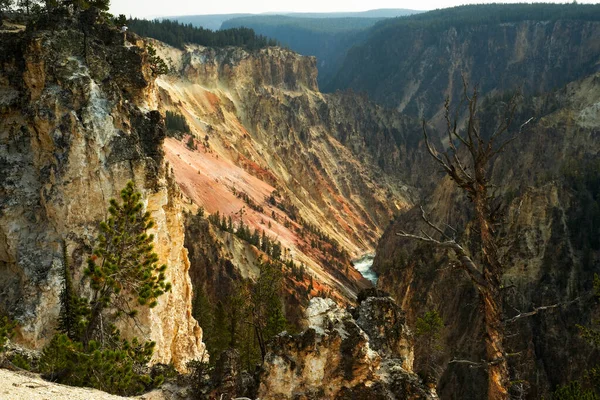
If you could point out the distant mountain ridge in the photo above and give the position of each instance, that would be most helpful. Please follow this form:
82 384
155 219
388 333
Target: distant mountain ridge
320 24
411 63
327 36
377 13
214 21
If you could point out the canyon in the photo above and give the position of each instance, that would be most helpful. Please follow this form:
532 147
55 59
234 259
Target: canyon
328 177
72 137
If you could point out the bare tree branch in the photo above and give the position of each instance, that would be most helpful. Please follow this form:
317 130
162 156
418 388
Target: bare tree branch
432 151
466 263
483 363
535 311
472 364
502 146
437 229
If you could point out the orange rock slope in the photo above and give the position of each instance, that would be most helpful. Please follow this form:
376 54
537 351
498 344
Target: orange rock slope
260 127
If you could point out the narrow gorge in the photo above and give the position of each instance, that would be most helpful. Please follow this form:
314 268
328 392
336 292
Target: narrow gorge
284 213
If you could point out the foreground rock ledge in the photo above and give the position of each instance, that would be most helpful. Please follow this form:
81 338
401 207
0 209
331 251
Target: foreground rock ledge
335 359
28 386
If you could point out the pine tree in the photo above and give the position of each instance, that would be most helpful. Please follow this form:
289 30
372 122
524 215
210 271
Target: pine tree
255 238
220 338
235 308
103 5
73 309
264 242
276 251
191 144
215 219
120 20
123 263
265 305
176 122
157 64
123 274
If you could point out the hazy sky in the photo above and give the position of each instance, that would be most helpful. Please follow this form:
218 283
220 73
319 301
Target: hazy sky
153 8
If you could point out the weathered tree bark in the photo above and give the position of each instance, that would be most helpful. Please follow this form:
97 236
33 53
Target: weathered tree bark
498 375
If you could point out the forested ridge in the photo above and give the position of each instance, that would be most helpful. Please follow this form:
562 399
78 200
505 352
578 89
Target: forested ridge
330 25
383 62
496 13
327 39
177 34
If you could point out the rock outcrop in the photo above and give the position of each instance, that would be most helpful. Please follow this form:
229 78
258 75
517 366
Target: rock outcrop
334 358
235 67
385 325
74 128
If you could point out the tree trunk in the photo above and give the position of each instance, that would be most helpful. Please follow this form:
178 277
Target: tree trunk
472 178
498 376
261 342
93 323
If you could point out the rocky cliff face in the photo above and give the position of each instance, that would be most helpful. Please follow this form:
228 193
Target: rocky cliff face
546 181
273 152
74 128
338 357
235 67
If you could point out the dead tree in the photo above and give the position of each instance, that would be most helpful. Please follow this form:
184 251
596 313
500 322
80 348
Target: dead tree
467 162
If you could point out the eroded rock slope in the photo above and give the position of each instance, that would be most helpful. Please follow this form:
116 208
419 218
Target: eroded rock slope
285 159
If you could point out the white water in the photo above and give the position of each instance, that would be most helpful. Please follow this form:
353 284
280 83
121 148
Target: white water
363 265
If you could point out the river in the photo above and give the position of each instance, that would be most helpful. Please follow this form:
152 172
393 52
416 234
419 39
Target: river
363 265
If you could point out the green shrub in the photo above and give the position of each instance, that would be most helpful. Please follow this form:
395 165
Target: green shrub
113 369
7 327
20 362
574 391
430 325
591 378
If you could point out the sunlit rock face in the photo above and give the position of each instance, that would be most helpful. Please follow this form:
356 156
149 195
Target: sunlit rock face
235 67
334 358
73 130
262 126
